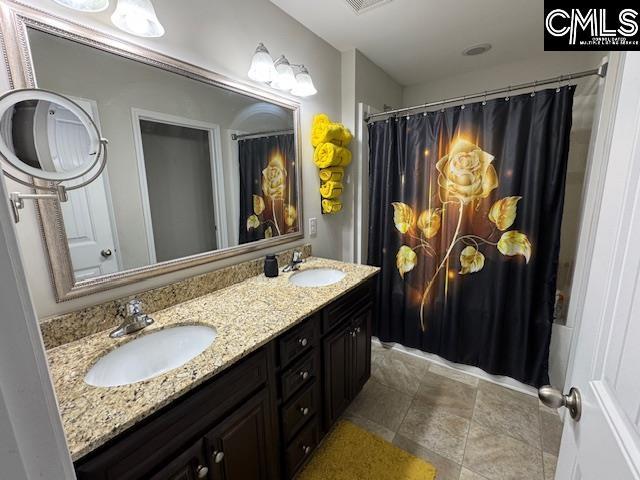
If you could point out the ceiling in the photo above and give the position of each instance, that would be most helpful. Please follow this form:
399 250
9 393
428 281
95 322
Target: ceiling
416 41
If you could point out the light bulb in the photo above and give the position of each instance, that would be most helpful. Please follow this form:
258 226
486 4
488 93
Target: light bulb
89 6
285 79
304 84
137 17
262 69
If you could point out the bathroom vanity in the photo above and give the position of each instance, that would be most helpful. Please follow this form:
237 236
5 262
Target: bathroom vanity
286 363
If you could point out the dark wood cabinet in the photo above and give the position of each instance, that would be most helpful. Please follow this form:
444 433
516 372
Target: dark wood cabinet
189 465
260 419
238 447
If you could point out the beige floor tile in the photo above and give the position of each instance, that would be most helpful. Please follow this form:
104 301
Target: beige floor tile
400 371
440 432
551 432
497 456
445 468
550 462
445 395
381 404
379 351
454 374
370 426
513 413
544 408
466 474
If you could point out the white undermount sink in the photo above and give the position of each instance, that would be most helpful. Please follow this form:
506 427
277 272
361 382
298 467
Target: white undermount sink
150 355
317 277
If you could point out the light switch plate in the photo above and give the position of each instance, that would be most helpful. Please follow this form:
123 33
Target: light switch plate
313 227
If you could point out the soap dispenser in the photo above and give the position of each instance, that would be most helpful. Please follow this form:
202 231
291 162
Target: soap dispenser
271 266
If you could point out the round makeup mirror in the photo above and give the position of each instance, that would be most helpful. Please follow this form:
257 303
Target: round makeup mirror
48 137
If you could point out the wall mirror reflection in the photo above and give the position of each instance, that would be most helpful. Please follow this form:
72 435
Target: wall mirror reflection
194 168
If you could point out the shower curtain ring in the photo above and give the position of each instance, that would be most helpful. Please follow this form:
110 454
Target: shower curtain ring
484 98
559 84
535 84
508 97
463 106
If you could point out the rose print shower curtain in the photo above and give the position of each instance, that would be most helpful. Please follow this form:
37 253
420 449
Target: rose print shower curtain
267 187
465 216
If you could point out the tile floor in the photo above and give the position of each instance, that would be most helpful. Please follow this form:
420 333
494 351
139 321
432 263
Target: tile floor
468 428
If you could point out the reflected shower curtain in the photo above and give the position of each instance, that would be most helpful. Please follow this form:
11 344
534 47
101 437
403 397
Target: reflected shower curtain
268 189
465 217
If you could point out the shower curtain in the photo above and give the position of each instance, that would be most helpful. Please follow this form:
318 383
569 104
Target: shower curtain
268 188
465 217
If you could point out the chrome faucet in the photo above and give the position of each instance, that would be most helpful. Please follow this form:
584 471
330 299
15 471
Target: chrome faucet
296 260
134 319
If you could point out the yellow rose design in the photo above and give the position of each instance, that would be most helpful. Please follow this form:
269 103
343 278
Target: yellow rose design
268 233
405 260
258 204
403 216
274 178
471 260
290 215
429 222
466 173
503 212
515 243
252 222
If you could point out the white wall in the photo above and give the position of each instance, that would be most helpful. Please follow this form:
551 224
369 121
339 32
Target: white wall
221 36
362 82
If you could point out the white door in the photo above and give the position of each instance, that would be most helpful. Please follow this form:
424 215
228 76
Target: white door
605 442
87 219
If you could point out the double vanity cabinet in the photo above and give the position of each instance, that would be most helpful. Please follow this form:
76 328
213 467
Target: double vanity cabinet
262 417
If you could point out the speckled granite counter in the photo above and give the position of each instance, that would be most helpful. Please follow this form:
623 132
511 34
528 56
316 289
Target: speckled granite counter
247 315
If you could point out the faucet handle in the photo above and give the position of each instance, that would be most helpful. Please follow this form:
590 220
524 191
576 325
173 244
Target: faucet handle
297 256
131 308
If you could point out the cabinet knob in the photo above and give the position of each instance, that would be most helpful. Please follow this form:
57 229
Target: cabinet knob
106 253
303 341
304 411
358 330
217 457
202 471
304 375
306 449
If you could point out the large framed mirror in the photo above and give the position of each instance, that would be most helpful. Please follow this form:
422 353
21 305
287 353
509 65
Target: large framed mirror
200 167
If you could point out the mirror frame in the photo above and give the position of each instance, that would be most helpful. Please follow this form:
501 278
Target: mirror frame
15 20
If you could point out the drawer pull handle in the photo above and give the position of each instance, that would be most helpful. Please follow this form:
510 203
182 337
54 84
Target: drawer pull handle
217 457
202 471
306 449
304 375
303 341
304 411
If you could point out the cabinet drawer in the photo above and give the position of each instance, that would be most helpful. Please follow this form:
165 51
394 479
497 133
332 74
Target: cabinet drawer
301 339
300 408
301 448
300 373
346 306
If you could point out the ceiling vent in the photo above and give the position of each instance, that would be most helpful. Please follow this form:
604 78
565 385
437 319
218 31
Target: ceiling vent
362 6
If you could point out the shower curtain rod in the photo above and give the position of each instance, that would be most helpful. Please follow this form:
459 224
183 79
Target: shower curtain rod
601 71
260 134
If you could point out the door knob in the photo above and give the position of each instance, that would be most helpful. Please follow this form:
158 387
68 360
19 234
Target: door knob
202 471
106 253
217 457
554 398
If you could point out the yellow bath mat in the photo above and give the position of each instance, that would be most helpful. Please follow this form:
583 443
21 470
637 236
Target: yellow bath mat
351 453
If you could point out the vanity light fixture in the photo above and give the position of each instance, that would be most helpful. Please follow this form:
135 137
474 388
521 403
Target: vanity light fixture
262 69
285 79
88 6
137 17
281 74
304 84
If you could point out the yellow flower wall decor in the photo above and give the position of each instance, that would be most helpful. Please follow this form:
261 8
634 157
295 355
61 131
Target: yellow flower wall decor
269 208
466 176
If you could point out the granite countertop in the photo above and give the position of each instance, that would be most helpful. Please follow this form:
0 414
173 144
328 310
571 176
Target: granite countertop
246 315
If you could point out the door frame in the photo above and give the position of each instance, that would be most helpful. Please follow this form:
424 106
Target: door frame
217 173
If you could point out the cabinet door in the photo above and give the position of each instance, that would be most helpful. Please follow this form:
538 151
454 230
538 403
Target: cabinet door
240 448
337 377
361 356
189 465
